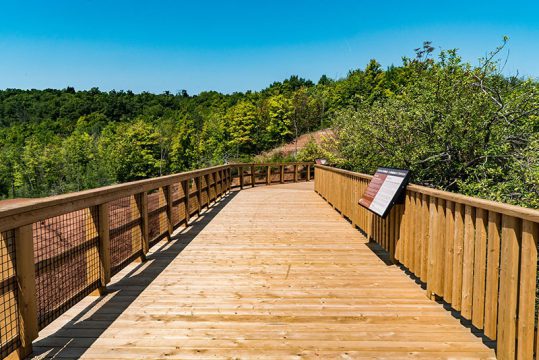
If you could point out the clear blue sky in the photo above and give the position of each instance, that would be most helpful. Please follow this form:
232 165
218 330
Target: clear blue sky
239 45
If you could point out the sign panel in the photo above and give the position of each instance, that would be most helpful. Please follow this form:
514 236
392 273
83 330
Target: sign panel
384 190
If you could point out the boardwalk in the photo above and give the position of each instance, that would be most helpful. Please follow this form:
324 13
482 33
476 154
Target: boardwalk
269 272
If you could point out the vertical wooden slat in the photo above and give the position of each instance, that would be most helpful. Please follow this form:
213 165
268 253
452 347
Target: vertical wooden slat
480 267
208 192
507 307
253 179
458 255
185 187
295 173
432 247
467 262
103 230
27 300
449 250
440 251
309 172
281 170
424 236
527 288
493 268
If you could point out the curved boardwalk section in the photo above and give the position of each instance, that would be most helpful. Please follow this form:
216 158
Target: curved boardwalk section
269 272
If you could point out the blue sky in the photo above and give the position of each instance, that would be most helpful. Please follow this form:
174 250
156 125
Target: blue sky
239 45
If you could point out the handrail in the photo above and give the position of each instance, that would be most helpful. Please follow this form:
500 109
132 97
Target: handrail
502 208
56 250
479 256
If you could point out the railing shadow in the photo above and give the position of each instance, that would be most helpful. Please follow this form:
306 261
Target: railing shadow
76 336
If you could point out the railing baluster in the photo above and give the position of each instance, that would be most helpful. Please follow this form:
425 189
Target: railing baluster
168 200
282 174
253 177
27 300
185 186
103 230
241 176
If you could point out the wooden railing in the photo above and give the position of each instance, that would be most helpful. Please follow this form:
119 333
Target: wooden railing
55 251
268 173
478 256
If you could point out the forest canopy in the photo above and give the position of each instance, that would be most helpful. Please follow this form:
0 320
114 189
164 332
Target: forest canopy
457 126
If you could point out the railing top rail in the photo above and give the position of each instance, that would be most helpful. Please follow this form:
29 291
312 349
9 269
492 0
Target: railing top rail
17 214
274 164
506 209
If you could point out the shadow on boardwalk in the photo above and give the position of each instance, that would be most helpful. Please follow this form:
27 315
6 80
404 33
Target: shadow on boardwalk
95 319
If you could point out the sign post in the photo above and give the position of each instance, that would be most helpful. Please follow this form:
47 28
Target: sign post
384 190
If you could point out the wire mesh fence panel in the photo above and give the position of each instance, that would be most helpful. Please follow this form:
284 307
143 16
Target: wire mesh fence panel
178 204
66 255
193 201
204 186
289 173
9 314
157 216
176 216
125 232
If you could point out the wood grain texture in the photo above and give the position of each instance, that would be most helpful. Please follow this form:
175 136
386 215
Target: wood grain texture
268 272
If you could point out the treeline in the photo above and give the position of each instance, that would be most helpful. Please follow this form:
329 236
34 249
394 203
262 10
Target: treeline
458 127
57 141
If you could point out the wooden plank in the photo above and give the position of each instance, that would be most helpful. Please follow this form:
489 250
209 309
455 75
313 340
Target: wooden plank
458 254
275 273
440 252
198 184
281 177
424 236
432 247
507 307
27 300
449 250
103 230
493 269
468 262
527 288
268 175
480 267
253 177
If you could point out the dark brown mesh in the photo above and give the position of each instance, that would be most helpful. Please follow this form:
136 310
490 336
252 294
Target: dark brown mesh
9 317
66 254
193 202
125 232
157 216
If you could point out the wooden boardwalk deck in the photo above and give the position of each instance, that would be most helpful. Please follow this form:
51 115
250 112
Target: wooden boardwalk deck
269 272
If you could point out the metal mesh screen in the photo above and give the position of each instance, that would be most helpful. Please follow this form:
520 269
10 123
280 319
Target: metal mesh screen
193 202
157 216
125 232
66 254
9 319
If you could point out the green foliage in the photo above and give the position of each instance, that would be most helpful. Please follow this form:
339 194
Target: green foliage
456 126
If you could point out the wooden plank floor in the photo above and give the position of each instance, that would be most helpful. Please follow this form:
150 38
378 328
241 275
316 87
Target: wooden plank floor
270 272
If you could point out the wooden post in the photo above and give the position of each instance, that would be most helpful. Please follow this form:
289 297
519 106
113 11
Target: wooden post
268 175
198 184
281 168
142 203
207 178
167 190
103 229
253 176
241 177
295 172
27 299
185 186
309 172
